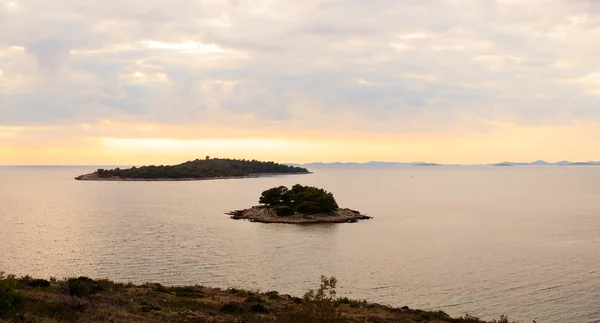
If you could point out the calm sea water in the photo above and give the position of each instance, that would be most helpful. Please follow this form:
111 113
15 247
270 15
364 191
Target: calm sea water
480 240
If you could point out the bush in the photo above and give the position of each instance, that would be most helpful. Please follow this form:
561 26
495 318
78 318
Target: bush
11 302
159 288
83 286
309 208
232 308
187 291
39 283
259 308
284 211
432 315
344 300
503 319
149 307
272 295
319 305
350 302
254 299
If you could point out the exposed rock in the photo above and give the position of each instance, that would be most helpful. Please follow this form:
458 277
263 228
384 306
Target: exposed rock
265 215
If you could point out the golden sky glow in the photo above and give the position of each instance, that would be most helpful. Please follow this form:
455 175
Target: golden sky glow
448 82
511 142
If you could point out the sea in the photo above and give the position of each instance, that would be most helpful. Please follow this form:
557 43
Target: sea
484 241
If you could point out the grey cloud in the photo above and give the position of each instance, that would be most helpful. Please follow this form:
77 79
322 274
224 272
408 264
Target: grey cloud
383 61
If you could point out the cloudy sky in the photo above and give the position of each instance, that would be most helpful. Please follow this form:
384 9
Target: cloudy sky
164 81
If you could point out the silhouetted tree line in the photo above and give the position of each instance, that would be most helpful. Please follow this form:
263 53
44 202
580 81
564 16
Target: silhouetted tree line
300 199
207 168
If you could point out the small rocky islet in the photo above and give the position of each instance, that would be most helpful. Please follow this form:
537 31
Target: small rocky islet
298 205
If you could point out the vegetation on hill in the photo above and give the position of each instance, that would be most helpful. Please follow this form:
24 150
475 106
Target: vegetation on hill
298 199
206 168
87 300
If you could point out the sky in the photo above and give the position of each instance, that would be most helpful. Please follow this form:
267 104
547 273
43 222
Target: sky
165 81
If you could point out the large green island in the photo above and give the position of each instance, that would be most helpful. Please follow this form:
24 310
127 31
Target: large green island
300 204
199 169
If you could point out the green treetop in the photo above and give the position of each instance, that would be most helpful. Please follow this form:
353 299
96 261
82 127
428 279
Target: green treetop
299 199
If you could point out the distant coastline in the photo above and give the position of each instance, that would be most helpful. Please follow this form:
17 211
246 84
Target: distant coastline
426 165
374 164
199 169
95 177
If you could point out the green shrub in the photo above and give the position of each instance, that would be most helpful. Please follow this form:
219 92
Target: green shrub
83 286
24 280
352 303
284 211
232 308
431 315
11 302
9 281
254 299
503 319
159 288
308 208
344 300
259 308
187 291
149 306
39 283
320 305
272 295
104 284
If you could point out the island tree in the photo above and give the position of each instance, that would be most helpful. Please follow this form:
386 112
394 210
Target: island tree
298 199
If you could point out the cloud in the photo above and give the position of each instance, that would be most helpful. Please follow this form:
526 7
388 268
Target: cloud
404 67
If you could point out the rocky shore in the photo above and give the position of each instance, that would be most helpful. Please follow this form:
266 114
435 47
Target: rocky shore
266 215
82 299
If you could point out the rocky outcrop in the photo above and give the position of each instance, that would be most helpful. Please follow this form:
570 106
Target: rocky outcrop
266 215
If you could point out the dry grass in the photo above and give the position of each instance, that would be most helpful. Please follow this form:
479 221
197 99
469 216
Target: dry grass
116 302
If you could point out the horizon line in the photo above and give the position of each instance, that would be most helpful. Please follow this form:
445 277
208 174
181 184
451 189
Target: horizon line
321 162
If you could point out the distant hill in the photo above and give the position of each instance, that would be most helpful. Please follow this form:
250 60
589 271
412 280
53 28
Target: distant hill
196 169
545 163
427 164
504 164
368 164
562 163
420 163
584 164
541 163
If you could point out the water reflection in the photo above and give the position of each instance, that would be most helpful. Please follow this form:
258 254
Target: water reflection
487 241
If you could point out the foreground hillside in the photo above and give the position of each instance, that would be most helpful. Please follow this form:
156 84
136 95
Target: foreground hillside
197 169
86 300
